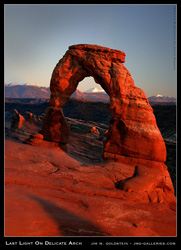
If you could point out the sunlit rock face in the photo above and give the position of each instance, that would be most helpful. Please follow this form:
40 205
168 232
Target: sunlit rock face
133 131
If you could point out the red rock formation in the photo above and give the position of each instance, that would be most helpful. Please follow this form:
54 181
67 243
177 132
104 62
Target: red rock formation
55 127
133 130
17 121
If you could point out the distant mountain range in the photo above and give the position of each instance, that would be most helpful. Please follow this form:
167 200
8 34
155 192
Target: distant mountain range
92 94
15 90
161 99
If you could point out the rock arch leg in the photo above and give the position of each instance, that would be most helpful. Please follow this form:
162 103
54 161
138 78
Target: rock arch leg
55 127
133 131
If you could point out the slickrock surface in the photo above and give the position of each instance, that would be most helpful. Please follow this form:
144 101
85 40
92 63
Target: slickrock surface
50 192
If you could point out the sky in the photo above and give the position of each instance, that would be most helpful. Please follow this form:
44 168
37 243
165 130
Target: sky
36 36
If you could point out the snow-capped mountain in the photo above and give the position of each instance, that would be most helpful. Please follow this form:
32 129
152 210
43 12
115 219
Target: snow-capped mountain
27 90
158 99
159 96
94 90
29 84
12 84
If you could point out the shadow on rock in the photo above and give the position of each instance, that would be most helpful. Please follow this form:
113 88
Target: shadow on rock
69 224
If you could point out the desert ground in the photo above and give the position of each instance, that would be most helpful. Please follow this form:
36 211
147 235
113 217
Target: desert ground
50 191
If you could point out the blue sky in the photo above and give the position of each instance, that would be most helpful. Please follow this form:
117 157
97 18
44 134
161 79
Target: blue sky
37 36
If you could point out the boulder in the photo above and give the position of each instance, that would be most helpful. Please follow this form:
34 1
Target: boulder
28 115
37 136
95 131
31 117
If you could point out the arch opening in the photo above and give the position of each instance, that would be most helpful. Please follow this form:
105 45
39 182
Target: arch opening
93 116
88 83
90 90
92 80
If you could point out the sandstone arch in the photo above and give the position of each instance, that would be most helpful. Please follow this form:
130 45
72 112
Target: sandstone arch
133 131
